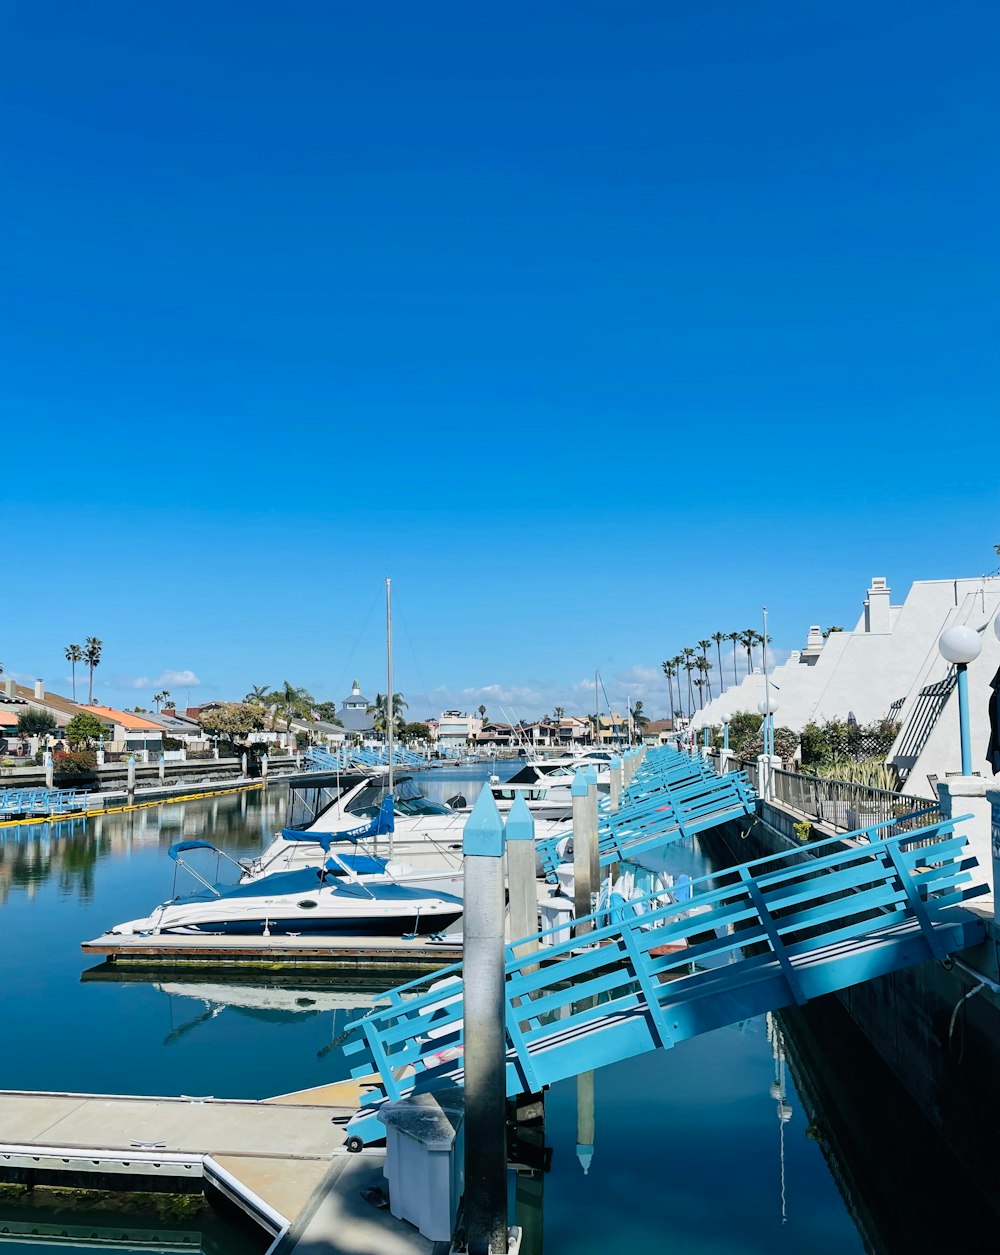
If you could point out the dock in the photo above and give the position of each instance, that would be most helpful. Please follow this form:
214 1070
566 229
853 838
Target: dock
346 954
282 1160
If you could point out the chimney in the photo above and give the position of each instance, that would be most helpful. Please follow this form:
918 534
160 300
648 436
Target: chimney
878 620
815 638
39 690
8 689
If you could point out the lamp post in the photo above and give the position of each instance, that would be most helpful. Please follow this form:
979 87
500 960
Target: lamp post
961 645
767 706
725 734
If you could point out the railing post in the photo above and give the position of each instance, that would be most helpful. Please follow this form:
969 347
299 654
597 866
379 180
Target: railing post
519 835
583 839
616 783
130 785
485 1032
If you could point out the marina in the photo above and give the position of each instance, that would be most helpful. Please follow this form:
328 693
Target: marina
281 1157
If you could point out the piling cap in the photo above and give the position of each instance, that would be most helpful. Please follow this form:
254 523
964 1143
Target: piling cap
483 833
590 773
616 763
579 788
520 825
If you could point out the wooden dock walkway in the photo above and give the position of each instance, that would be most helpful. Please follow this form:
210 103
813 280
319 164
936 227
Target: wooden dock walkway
331 954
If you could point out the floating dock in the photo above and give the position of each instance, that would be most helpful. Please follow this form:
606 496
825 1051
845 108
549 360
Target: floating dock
328 954
281 1160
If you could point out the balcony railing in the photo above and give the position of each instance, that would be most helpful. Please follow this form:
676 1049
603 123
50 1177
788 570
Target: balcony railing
847 807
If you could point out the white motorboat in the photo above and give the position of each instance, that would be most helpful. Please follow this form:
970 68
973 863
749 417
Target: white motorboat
335 897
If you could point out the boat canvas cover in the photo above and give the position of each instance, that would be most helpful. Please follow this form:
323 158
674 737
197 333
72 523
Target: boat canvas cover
383 823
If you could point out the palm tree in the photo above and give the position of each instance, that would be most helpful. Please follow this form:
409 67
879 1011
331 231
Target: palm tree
748 639
74 654
699 683
719 637
734 637
482 713
669 671
92 657
558 712
258 695
703 666
379 706
639 717
157 698
689 654
289 702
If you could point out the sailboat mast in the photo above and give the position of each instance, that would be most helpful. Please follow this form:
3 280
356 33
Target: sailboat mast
389 678
597 712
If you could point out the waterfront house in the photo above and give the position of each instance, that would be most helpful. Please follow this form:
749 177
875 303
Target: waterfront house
130 733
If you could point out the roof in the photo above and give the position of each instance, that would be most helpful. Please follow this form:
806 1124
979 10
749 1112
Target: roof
52 701
8 719
131 722
174 722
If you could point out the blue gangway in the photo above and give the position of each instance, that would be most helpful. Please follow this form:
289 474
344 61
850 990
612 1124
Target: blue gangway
764 935
674 795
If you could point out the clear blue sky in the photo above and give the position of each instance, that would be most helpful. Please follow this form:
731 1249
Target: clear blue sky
596 326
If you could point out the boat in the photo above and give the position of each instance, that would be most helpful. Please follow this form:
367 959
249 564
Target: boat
341 896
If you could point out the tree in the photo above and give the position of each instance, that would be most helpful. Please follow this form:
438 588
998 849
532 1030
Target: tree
378 709
160 697
415 732
703 667
235 719
85 728
35 723
558 712
699 685
74 654
748 639
639 716
259 695
328 712
289 702
482 713
669 672
735 638
688 662
719 637
92 657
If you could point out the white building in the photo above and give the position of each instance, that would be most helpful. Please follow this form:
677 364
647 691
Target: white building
455 728
890 666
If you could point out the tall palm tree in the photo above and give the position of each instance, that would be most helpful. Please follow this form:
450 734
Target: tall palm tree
258 695
639 716
558 712
735 638
157 698
669 671
74 654
703 666
719 637
482 713
689 655
92 657
748 639
699 685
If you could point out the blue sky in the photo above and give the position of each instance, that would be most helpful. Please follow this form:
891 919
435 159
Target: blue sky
594 326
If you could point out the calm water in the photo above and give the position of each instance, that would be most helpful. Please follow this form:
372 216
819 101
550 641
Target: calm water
689 1151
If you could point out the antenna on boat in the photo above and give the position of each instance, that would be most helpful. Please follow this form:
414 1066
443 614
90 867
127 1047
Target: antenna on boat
388 699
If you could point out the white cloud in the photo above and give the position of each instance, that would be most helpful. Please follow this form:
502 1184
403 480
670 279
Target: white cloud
180 679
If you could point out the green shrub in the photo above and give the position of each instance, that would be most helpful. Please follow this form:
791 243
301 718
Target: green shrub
78 763
744 729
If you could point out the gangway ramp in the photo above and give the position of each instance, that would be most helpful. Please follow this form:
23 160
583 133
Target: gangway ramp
760 936
674 795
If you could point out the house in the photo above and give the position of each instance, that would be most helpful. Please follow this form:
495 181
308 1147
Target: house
572 730
656 732
493 733
356 722
130 733
180 728
456 729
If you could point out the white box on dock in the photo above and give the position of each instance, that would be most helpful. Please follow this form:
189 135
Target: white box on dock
557 912
425 1159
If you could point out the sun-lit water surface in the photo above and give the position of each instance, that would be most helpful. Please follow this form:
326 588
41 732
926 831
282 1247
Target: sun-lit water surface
688 1148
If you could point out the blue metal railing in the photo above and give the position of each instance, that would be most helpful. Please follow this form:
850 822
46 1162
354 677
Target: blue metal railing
760 936
20 802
